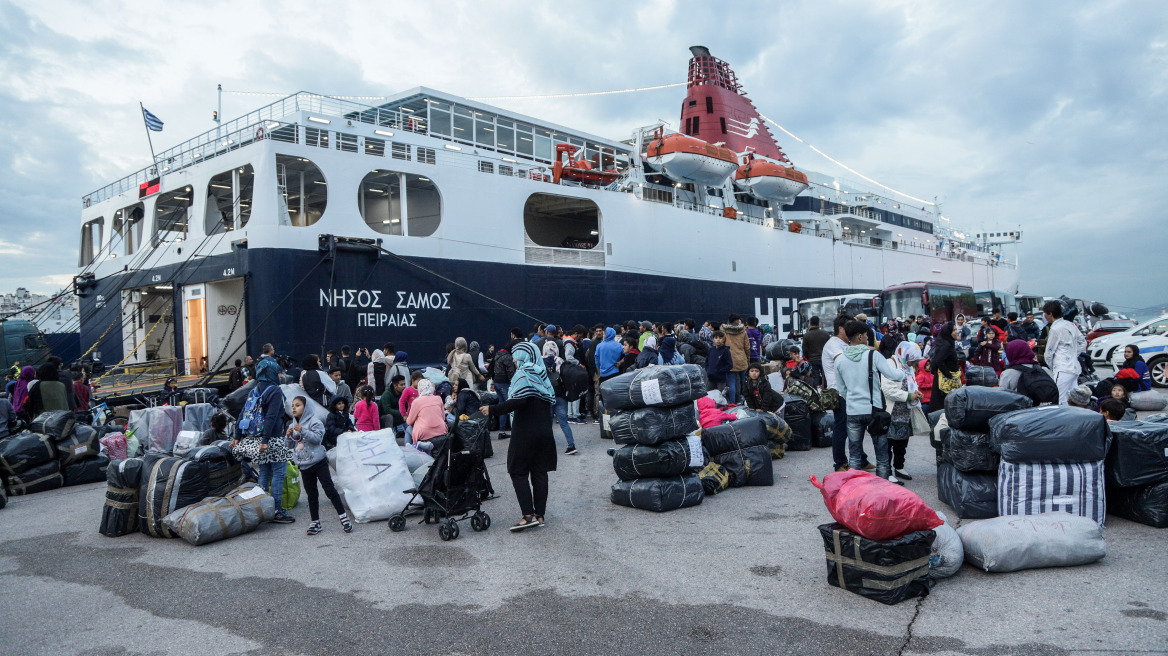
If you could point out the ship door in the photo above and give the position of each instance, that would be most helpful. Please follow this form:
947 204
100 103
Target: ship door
195 302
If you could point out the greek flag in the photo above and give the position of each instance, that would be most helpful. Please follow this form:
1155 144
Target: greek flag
152 122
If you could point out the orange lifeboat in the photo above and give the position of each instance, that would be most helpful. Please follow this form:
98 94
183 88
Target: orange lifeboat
580 170
686 159
770 180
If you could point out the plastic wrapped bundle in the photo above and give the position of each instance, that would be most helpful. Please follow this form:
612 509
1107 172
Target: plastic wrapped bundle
971 495
1157 419
1033 489
655 386
659 494
197 416
1051 434
156 428
798 417
653 425
872 506
1149 401
1139 454
474 434
969 451
234 401
605 421
947 553
200 396
186 440
487 398
971 408
41 478
57 424
735 436
714 478
981 377
888 571
751 466
822 429
778 433
119 516
115 445
224 472
168 483
313 409
79 446
1147 504
240 511
669 458
372 474
90 470
1012 543
24 451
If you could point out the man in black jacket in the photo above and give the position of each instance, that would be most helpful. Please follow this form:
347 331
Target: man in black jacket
813 342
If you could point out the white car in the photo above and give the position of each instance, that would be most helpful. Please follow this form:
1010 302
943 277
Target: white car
1154 350
1103 349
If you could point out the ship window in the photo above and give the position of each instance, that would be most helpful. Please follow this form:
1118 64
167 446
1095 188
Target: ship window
423 206
543 144
689 126
484 131
463 124
229 200
722 120
172 213
505 135
697 124
286 133
128 225
375 147
709 105
425 156
380 201
302 190
526 143
562 221
486 167
315 137
693 103
440 119
401 151
91 234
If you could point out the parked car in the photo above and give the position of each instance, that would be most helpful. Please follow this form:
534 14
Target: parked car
1154 350
1108 326
1102 349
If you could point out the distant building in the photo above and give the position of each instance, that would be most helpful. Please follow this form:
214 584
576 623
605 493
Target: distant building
58 315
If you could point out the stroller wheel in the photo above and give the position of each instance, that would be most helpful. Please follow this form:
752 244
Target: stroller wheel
444 532
452 528
397 523
480 521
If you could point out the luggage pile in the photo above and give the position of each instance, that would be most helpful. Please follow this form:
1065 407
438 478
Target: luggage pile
886 543
156 428
743 449
1137 471
967 463
778 431
56 451
652 417
797 413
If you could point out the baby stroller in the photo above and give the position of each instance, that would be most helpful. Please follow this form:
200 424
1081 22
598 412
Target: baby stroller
456 485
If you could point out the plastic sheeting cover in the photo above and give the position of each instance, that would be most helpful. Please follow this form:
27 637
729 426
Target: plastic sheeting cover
119 515
115 445
669 458
57 424
969 451
888 571
41 478
654 386
778 432
972 495
798 416
1050 434
751 466
873 507
239 511
24 451
186 440
1149 401
981 377
653 425
1138 455
197 416
735 436
1015 542
659 494
948 553
971 408
168 483
372 474
79 446
157 428
224 472
1146 505
235 400
91 470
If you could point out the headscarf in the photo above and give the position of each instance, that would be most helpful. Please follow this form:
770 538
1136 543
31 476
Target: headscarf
1128 363
475 353
531 378
459 349
401 356
378 357
668 349
947 333
425 387
1019 352
650 342
906 354
20 392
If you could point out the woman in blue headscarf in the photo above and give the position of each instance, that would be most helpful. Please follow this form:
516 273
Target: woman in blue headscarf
531 453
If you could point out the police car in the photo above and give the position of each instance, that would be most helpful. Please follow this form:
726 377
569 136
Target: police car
1105 348
1154 350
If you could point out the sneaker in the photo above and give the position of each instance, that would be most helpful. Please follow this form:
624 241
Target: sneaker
504 436
283 518
571 451
595 420
346 524
525 523
901 474
893 479
314 528
869 467
842 468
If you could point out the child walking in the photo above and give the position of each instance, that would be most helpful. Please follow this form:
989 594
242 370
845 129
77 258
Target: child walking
365 412
309 455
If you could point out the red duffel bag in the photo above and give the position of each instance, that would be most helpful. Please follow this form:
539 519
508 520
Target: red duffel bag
873 507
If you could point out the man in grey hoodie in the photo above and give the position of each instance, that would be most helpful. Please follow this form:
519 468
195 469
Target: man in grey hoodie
307 432
862 392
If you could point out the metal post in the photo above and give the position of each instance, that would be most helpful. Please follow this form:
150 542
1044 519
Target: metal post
219 113
149 139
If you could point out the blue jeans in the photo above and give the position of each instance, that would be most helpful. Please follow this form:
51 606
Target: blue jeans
732 387
857 426
504 420
839 439
561 412
273 472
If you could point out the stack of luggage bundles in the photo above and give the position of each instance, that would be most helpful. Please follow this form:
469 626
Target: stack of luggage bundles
156 428
119 516
1137 472
224 472
743 448
778 432
28 463
167 484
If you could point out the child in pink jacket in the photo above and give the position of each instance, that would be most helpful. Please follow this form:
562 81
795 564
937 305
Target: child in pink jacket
365 412
709 415
925 382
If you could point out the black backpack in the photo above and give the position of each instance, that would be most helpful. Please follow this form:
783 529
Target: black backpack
1037 384
574 381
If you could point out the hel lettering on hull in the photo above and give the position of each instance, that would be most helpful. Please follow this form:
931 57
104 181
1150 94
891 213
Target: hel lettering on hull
780 320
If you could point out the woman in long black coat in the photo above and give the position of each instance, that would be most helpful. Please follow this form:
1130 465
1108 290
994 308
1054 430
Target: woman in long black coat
943 359
531 453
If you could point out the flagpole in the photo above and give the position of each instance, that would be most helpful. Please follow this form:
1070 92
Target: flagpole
149 139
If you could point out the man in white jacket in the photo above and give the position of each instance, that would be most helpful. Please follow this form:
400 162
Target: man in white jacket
1063 346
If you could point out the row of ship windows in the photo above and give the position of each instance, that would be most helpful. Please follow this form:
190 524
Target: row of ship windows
811 204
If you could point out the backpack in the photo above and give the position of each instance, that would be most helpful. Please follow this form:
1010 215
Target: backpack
1036 384
251 420
574 379
829 399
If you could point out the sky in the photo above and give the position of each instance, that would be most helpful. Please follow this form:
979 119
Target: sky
1050 116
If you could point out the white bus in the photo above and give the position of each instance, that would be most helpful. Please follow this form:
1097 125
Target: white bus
827 307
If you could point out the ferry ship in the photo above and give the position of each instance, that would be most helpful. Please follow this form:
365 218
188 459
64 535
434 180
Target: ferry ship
317 221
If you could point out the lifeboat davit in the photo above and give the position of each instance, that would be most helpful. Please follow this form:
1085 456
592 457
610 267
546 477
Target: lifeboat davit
770 180
686 159
579 170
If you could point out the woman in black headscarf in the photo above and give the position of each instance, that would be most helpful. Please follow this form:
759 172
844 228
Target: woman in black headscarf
943 362
1134 361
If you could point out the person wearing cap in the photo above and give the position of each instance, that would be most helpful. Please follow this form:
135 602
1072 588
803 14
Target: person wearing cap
646 332
1080 397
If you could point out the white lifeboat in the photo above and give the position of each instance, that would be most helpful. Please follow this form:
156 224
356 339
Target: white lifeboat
686 159
770 180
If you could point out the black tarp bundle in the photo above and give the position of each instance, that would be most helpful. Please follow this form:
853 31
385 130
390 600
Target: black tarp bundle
778 433
714 477
651 426
119 516
57 424
240 510
605 420
197 395
734 436
168 483
41 478
798 417
24 451
981 377
659 494
1147 504
749 466
971 408
473 432
654 386
822 429
972 495
669 458
224 472
90 470
1050 434
969 451
81 445
888 571
235 400
1138 455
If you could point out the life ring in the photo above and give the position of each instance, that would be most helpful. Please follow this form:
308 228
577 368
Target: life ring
259 133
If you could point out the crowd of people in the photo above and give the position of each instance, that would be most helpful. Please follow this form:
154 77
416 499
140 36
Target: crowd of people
51 386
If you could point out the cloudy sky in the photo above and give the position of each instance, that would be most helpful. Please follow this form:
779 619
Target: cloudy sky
1046 115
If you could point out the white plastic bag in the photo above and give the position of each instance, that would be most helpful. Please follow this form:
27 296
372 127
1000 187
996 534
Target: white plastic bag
719 400
1149 401
372 474
948 553
157 428
186 441
1013 542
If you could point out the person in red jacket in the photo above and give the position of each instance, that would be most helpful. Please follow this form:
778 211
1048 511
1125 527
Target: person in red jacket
365 412
925 382
709 415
